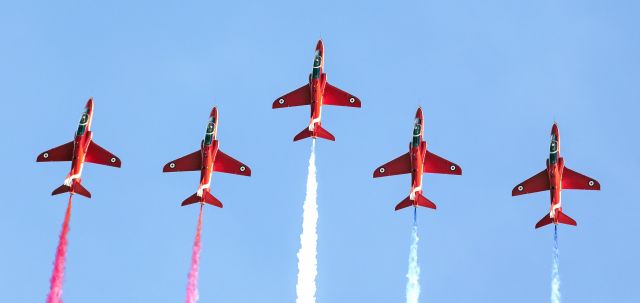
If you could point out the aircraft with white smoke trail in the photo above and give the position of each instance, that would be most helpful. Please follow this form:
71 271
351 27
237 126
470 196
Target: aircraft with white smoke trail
82 149
417 161
208 159
317 93
555 178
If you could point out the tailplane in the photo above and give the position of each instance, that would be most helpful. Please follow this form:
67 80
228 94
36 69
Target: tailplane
561 218
420 200
207 197
75 188
318 132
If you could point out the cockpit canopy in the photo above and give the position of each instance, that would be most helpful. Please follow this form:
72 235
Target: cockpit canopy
208 137
82 125
317 63
553 149
417 132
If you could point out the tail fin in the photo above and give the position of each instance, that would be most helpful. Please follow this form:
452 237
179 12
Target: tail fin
420 201
75 188
319 133
207 197
562 218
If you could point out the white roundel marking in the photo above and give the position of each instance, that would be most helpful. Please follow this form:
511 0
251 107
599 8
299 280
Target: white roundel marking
242 168
113 160
46 155
381 170
520 188
352 100
591 183
281 101
172 165
453 167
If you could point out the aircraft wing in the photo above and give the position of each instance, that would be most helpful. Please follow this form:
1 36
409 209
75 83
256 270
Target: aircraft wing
537 183
438 165
98 155
398 166
335 96
190 162
298 97
574 180
226 164
63 152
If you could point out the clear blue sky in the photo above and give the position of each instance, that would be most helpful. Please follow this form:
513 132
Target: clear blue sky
492 76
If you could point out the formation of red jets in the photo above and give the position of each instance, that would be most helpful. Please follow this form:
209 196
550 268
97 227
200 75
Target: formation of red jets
318 92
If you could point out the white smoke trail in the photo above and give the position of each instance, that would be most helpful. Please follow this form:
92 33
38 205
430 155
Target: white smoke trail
555 274
413 274
307 262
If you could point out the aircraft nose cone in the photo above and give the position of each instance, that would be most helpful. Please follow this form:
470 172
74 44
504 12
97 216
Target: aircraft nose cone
320 46
90 103
419 113
554 129
214 113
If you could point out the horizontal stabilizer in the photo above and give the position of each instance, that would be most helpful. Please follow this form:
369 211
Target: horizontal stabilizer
323 133
404 203
420 201
319 133
561 218
207 197
544 221
564 219
192 199
77 189
424 202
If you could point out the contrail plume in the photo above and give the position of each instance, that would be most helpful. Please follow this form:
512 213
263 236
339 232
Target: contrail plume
307 255
192 285
555 274
413 274
57 277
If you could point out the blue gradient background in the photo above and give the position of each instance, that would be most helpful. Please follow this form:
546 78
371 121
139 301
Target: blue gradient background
492 76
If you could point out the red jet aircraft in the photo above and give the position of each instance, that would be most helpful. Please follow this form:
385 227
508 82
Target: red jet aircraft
207 160
417 161
317 93
82 149
555 178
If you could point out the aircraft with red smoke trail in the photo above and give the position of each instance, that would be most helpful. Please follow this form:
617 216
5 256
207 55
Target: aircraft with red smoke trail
417 161
555 178
317 92
82 149
208 159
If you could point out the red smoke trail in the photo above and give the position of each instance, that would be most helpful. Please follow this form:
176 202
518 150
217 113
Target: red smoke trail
192 285
55 292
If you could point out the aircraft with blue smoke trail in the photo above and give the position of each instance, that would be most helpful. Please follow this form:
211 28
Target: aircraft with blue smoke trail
82 149
317 93
555 178
208 159
417 161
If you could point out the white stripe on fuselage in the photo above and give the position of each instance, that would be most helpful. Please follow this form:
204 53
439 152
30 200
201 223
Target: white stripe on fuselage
201 189
312 124
412 195
556 206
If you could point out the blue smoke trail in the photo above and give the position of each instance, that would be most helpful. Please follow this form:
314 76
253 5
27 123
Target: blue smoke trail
413 274
555 274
